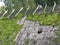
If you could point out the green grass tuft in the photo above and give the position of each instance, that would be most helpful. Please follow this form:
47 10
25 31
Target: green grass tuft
8 30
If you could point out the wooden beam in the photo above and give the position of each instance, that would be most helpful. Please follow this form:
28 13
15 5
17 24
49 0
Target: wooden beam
19 11
39 6
11 13
4 14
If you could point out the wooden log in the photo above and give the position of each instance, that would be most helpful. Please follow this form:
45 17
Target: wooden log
19 11
54 6
4 14
11 13
45 8
39 6
27 10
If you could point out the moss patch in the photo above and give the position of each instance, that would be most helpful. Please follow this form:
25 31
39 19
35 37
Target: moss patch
9 30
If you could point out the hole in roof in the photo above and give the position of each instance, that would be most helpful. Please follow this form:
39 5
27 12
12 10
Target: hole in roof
39 31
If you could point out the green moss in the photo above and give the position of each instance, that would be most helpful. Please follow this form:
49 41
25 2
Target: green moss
8 30
51 19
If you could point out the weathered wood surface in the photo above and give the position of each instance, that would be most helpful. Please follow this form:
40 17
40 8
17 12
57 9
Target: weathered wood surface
30 31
